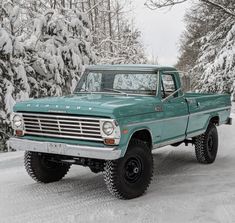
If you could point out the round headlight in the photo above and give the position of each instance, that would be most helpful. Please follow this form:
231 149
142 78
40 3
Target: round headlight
108 128
17 121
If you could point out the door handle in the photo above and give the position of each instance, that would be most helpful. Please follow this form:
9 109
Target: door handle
158 108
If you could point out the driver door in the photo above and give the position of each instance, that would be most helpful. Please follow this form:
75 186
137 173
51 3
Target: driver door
175 109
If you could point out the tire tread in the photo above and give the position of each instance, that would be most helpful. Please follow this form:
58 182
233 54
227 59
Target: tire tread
37 174
110 173
201 147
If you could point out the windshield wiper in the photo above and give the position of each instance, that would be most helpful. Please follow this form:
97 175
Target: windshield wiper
114 90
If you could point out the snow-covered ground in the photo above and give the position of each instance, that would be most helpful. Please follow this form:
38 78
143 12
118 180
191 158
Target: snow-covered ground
181 191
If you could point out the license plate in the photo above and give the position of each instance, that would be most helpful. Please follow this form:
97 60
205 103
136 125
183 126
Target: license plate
55 148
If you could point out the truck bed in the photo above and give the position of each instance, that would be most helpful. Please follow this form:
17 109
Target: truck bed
196 95
203 107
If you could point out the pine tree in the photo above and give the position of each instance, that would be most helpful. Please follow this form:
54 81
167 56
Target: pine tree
13 80
45 45
207 49
47 59
60 46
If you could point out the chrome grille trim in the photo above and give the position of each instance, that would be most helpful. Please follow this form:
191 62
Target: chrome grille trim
62 126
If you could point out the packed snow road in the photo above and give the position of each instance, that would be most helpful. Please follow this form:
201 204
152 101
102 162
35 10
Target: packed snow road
181 191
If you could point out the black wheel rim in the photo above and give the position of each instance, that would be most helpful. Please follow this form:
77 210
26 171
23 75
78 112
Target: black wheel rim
210 146
133 169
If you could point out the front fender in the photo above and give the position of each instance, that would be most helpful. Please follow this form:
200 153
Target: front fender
126 136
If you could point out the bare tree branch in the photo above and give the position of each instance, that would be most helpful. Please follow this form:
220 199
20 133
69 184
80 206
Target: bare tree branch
219 6
158 4
94 6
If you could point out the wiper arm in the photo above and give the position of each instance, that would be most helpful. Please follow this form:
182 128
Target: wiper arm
114 90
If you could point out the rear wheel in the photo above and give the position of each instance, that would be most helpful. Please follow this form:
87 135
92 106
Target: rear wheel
42 169
130 176
206 145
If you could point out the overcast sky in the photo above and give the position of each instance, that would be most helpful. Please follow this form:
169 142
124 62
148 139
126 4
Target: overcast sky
160 30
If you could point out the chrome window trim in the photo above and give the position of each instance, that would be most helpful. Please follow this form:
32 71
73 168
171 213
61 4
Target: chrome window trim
156 71
119 94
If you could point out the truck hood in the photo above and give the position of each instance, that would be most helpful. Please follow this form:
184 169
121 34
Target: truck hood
112 106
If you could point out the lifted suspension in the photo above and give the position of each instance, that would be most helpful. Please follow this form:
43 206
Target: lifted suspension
95 165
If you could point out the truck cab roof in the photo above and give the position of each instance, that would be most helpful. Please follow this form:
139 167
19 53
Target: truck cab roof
131 67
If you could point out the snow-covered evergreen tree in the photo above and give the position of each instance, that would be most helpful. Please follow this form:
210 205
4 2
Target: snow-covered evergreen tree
60 46
208 48
127 49
208 45
13 79
115 40
48 59
216 61
45 45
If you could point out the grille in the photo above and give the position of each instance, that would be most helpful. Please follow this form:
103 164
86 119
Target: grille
62 126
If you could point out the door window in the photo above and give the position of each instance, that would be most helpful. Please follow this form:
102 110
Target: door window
167 85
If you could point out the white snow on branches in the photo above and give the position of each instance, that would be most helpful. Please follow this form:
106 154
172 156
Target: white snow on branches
45 46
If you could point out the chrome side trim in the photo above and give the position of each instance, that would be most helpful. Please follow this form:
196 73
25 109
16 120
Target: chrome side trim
160 120
183 116
197 133
169 142
210 110
105 153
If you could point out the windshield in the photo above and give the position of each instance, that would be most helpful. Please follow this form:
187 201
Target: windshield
118 82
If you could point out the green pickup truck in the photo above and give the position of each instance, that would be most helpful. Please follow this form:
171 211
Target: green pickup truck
116 116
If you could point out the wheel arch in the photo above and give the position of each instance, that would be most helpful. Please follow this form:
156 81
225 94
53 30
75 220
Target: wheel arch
215 119
143 134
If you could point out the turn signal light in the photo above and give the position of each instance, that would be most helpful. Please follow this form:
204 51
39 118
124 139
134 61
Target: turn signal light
124 131
109 141
19 132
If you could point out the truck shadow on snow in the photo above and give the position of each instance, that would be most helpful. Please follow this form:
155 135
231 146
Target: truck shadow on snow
173 161
81 184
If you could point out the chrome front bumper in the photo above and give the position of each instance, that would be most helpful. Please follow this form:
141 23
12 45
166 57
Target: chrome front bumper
105 153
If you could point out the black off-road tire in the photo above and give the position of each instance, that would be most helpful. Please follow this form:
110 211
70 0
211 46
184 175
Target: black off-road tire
130 176
43 170
206 145
95 170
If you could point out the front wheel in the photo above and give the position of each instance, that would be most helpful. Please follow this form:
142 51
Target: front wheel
42 169
130 176
206 145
